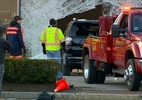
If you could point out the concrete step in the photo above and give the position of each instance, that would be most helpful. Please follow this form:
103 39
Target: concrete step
20 95
72 96
17 99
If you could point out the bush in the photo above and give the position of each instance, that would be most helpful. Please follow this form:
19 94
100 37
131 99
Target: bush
30 71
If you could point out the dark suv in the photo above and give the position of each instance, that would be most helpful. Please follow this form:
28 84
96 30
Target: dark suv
75 34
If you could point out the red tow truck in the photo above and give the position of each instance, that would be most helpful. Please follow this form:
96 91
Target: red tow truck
117 50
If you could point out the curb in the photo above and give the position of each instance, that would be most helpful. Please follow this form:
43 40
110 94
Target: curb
71 96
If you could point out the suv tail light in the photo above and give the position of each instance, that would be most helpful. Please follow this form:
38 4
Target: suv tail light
68 41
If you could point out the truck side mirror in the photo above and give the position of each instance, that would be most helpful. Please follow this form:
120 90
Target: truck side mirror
115 31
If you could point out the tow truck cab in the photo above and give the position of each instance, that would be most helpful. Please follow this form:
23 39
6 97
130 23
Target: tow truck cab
127 38
117 51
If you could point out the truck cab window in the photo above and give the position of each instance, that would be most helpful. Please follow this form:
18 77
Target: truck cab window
136 22
124 22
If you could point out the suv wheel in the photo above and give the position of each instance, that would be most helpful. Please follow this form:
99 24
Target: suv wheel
66 68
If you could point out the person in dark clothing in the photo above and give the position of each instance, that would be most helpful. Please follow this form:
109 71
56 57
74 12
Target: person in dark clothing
4 45
15 36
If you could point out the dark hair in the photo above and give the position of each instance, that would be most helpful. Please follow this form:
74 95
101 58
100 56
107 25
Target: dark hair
52 21
16 18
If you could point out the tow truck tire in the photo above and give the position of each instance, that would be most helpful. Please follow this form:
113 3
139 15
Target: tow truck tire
101 77
89 70
133 78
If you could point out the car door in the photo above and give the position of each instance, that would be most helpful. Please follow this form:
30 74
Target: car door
120 43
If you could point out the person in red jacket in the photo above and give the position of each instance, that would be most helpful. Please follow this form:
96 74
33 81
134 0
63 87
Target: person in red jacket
15 35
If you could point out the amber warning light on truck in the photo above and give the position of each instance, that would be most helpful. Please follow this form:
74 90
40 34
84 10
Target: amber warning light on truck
129 8
126 8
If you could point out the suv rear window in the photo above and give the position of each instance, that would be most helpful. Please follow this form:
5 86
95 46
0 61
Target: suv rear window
84 29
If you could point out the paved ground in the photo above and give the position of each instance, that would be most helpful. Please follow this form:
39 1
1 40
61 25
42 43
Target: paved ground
112 89
111 83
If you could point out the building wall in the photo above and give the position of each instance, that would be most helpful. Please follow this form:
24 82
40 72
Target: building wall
36 14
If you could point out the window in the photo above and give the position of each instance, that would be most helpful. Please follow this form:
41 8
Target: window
8 9
136 22
86 29
124 22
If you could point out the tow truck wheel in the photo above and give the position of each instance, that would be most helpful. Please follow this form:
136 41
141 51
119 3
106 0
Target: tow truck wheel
133 78
101 74
89 70
101 77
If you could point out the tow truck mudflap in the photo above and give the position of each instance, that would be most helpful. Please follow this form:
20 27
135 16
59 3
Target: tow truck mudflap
138 64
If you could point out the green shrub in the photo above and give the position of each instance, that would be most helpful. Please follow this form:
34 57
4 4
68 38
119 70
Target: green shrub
30 71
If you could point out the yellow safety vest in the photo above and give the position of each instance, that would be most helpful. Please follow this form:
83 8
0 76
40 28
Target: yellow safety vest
52 37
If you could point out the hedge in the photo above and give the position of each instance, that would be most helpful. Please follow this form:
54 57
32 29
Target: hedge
30 71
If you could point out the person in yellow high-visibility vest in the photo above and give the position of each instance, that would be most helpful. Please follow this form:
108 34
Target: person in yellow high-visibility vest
53 39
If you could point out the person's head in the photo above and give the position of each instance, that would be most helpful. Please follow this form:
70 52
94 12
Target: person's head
17 19
52 22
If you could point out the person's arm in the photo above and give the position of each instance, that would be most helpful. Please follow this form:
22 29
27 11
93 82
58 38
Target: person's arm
61 36
20 37
42 40
43 48
6 45
61 39
43 37
20 34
